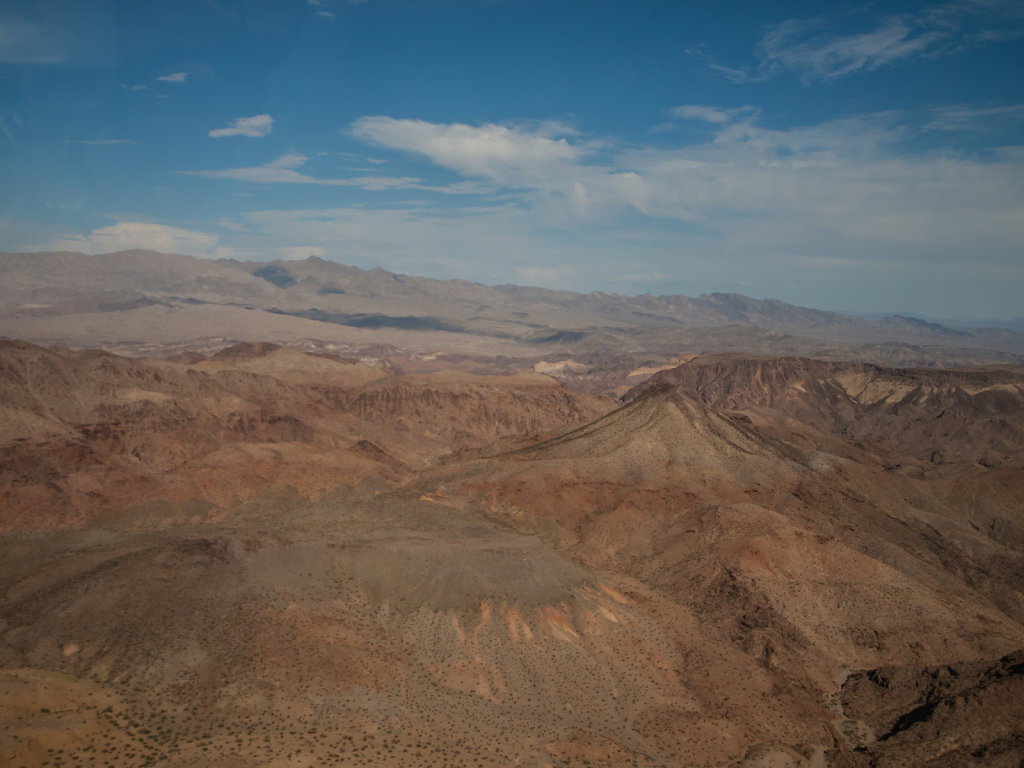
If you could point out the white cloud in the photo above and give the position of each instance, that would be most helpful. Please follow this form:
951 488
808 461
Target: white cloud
695 112
127 87
840 187
508 154
300 252
833 202
253 127
843 186
830 202
127 235
176 77
710 114
289 160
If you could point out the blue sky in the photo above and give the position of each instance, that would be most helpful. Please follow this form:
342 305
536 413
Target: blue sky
856 157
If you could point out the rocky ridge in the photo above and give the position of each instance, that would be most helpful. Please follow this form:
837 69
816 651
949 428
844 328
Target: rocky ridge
266 557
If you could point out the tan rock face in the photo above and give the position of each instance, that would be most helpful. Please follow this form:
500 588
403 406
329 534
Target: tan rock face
266 557
971 415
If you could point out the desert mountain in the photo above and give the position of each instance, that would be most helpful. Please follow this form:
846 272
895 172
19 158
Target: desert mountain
139 302
973 414
87 431
263 557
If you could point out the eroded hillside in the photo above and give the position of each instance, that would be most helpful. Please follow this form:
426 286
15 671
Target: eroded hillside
264 558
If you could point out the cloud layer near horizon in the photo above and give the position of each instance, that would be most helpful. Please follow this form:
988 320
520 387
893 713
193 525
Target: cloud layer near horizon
837 198
810 154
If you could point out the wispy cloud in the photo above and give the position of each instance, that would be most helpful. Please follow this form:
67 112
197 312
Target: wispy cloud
732 74
26 42
426 239
254 127
127 87
645 277
99 142
711 114
825 47
969 118
811 50
842 185
125 235
282 171
47 33
175 77
702 53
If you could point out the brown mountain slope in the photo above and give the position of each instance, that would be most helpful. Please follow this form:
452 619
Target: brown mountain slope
970 414
655 585
948 716
809 563
962 429
86 432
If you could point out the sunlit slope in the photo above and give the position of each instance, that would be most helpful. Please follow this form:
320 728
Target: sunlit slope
811 562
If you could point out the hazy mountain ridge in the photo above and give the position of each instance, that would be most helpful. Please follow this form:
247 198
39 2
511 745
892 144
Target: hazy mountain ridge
103 300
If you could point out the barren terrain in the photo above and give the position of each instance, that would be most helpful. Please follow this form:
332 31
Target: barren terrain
144 303
418 555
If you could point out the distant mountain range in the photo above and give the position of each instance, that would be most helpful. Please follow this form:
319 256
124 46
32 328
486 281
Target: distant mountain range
142 302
